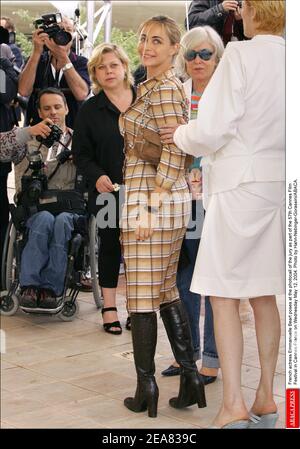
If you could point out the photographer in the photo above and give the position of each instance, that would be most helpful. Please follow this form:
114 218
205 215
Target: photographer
223 16
44 257
53 65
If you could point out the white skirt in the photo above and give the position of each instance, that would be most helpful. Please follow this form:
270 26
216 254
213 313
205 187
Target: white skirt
242 247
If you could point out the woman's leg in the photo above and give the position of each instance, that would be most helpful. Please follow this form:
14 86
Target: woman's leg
176 322
144 339
210 359
229 339
190 300
109 257
267 325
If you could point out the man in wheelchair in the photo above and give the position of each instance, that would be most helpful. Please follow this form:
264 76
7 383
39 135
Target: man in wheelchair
48 223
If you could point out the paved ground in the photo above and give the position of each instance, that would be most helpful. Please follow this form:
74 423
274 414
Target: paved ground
58 374
74 375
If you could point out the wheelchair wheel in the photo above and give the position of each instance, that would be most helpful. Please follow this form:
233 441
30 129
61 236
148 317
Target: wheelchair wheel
69 311
4 255
9 257
8 305
93 253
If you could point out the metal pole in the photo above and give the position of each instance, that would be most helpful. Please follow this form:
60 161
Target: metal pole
90 20
108 21
187 15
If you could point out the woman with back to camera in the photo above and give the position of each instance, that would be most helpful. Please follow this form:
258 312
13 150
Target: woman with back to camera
98 148
154 221
200 52
240 131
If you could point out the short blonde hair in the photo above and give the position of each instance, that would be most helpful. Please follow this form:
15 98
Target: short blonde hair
192 39
269 15
96 59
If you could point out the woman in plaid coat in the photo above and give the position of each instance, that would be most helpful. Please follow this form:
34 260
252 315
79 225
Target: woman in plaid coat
154 220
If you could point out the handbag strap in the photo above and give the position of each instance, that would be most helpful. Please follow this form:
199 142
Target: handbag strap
147 102
143 117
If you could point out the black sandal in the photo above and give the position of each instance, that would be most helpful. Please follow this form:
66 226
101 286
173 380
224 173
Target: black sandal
107 326
128 323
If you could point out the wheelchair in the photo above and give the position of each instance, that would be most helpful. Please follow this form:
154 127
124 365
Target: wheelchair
82 260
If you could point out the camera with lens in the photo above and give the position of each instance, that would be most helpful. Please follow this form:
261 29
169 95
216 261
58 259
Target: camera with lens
49 23
34 184
54 136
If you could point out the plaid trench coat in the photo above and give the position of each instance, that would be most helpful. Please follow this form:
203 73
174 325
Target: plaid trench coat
151 265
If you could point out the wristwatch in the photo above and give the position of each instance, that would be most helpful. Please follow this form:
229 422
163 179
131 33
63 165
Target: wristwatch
68 66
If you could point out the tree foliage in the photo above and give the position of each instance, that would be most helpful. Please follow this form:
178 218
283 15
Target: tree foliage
21 39
127 40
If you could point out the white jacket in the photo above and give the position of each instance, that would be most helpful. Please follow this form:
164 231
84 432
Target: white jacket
240 126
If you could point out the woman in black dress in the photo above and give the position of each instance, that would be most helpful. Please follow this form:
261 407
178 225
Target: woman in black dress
98 149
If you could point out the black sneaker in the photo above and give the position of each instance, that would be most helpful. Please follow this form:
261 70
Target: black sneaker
29 297
48 300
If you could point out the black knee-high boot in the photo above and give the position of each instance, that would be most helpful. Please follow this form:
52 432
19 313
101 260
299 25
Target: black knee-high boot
191 389
144 338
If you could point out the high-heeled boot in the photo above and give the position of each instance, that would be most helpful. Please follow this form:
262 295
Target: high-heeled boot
191 389
144 338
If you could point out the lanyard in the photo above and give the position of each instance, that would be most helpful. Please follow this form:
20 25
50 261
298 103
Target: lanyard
57 75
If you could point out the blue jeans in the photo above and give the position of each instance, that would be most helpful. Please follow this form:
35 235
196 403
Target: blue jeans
44 258
192 302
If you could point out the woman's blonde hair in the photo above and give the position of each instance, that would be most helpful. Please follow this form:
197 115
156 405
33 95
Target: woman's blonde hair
192 39
269 15
170 26
96 60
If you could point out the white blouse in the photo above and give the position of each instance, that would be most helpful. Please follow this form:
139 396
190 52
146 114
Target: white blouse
240 126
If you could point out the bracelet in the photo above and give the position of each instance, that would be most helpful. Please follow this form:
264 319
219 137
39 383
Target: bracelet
151 209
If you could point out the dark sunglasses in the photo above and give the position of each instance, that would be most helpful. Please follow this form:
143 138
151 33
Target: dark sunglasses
204 54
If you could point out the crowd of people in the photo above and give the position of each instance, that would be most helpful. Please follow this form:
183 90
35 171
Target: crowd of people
195 135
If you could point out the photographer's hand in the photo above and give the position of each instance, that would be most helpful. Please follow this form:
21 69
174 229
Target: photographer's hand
41 129
59 52
38 40
28 74
60 55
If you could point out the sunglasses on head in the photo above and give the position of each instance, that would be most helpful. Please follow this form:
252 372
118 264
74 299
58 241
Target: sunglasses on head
204 54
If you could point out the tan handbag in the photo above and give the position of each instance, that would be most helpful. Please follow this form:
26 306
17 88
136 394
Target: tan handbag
147 144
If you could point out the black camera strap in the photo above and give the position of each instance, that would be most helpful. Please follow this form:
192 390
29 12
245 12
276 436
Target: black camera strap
66 145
